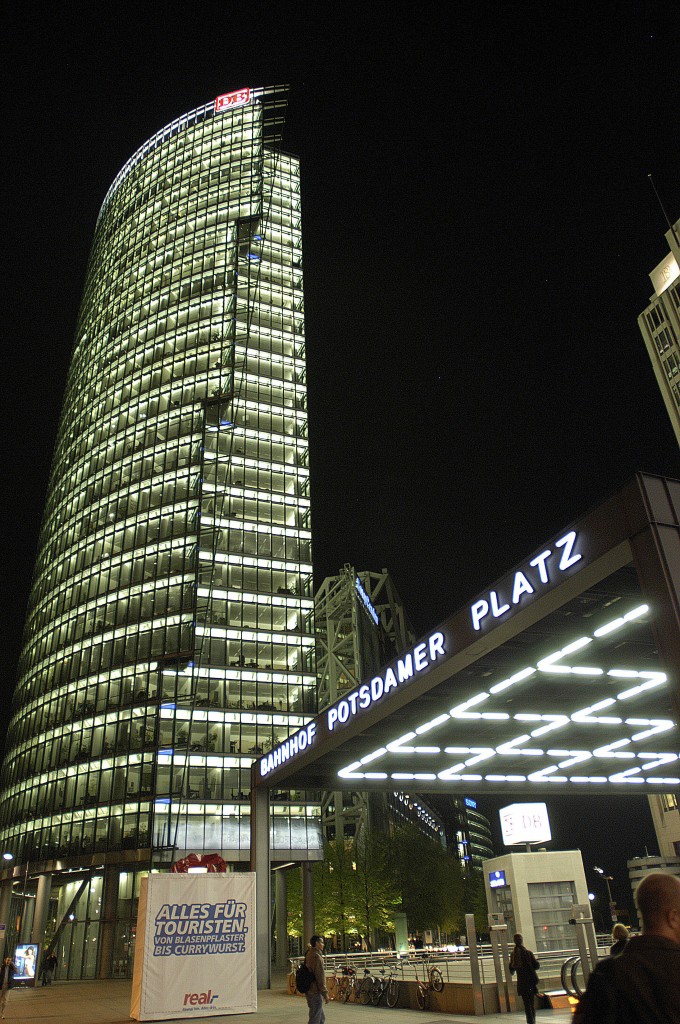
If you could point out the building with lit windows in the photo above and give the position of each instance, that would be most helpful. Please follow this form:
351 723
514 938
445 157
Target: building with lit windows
665 808
660 327
473 833
169 638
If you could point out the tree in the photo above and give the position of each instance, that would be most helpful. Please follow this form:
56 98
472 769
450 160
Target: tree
429 878
475 900
335 895
379 895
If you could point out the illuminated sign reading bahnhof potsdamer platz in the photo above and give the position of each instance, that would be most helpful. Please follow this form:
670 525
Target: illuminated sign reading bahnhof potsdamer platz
564 676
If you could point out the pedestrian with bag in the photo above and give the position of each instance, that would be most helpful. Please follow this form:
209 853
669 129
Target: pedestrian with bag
316 993
525 964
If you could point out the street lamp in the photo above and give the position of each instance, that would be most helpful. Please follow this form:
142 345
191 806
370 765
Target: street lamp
612 905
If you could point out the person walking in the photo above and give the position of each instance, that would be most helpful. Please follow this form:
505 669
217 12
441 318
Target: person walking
6 982
642 985
620 936
317 994
50 968
523 961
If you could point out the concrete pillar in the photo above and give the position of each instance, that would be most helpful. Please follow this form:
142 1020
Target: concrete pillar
107 929
42 906
281 919
401 932
475 973
26 919
307 901
5 902
259 863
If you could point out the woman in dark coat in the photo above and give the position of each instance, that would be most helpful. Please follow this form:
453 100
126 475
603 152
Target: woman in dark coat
620 936
523 961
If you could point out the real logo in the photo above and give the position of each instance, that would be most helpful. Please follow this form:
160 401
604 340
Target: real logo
200 998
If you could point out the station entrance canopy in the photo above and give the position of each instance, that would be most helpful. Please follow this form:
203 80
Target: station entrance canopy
565 673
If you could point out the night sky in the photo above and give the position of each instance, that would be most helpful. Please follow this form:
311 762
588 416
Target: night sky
478 229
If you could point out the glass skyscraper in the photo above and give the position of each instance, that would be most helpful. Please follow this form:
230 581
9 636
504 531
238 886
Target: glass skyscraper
169 636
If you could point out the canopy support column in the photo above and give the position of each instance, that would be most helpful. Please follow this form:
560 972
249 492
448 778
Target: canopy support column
260 864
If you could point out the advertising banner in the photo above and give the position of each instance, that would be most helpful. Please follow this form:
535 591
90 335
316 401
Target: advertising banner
195 948
525 823
27 958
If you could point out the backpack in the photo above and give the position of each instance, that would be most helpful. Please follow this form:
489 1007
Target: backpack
599 1002
303 978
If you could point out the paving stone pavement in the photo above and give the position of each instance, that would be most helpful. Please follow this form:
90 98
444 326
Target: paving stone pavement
108 1002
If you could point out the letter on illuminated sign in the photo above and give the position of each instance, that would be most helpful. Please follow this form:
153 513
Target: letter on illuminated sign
417 660
525 581
232 99
302 739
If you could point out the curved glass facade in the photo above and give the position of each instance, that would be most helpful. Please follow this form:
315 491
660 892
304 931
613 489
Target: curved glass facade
169 636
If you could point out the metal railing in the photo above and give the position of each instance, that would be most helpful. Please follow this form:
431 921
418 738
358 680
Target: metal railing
454 966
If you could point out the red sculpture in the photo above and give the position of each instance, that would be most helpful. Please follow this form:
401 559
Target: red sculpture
212 861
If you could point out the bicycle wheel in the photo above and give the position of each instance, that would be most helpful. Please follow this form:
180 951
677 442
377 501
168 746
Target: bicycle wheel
392 992
365 991
377 991
421 994
332 986
346 987
436 979
291 984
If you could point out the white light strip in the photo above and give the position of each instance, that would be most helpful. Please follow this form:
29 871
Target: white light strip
609 627
472 702
517 678
431 725
395 745
636 613
372 757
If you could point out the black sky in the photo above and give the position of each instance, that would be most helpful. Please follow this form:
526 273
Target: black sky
478 231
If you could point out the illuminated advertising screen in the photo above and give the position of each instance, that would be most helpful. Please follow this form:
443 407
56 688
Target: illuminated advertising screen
497 879
525 823
26 958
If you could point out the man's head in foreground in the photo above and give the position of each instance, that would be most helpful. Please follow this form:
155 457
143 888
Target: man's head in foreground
658 900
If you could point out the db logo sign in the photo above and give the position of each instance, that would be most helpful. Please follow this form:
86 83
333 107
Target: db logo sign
199 998
232 99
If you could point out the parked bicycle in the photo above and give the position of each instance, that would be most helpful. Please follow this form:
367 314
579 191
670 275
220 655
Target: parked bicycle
365 987
332 984
346 984
386 985
434 981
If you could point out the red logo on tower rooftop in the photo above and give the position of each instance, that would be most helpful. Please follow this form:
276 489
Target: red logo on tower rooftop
232 99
